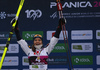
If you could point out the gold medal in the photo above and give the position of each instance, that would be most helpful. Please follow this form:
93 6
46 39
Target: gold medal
38 58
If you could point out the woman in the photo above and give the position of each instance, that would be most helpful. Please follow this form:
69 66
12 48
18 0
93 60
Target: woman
38 55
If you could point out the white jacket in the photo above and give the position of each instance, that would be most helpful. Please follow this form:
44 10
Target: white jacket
34 62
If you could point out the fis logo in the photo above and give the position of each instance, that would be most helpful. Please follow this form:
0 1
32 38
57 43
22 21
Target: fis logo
54 15
33 14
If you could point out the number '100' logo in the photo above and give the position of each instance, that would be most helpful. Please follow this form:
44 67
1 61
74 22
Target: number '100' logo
33 13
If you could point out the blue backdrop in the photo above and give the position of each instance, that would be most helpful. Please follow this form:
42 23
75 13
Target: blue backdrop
41 15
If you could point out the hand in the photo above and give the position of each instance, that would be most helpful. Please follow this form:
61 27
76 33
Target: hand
62 21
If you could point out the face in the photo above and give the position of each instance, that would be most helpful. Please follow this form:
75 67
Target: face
37 41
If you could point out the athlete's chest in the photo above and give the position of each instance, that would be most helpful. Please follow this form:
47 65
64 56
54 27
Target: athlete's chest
38 58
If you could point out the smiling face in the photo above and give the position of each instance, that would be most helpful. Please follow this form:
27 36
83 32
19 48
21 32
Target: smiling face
37 41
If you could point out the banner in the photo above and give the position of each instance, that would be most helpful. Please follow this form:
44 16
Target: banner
41 17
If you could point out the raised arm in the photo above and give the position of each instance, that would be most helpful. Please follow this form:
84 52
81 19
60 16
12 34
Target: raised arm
55 38
20 41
